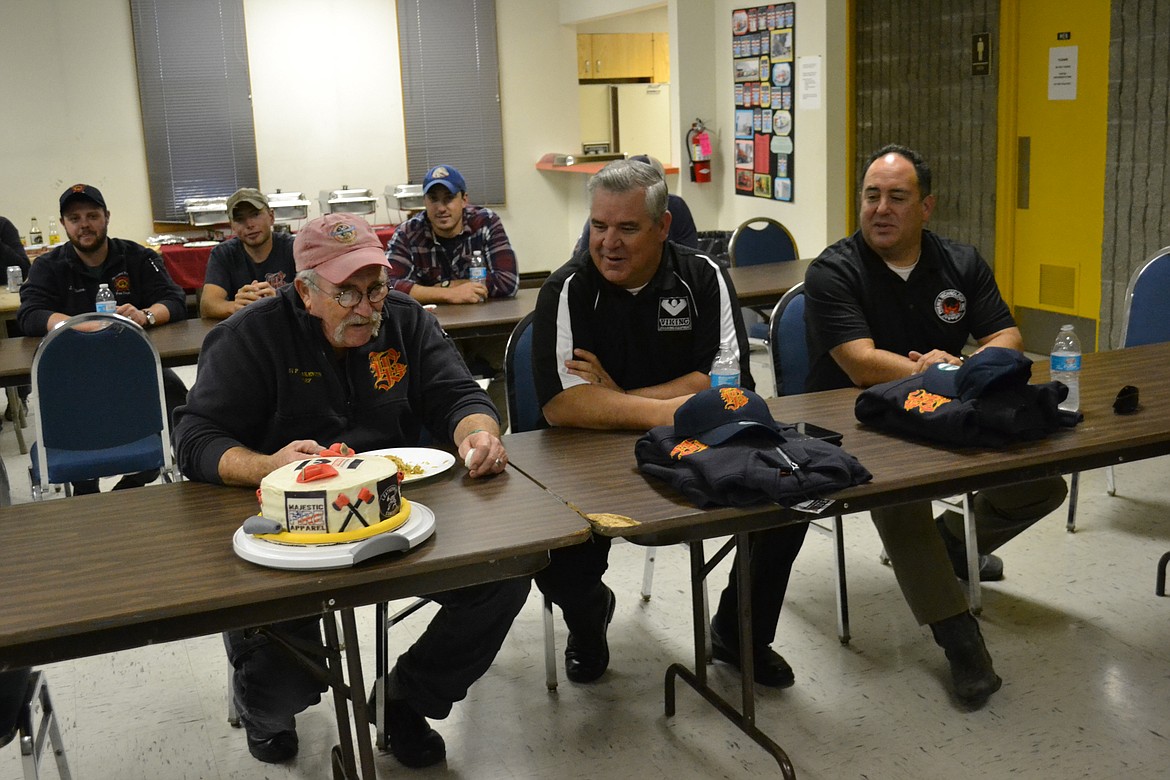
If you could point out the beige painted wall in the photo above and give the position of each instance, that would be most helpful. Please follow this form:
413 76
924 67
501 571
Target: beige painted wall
71 101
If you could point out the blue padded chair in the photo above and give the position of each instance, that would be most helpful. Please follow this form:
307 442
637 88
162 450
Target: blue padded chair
789 353
758 241
1143 321
519 384
98 403
761 240
26 710
524 414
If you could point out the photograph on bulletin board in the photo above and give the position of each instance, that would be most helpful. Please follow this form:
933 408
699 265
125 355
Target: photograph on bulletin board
763 45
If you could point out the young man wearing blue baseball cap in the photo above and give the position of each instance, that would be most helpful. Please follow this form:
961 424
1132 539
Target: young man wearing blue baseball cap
430 254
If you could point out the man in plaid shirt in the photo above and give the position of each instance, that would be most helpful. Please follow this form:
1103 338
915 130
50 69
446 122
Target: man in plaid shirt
430 254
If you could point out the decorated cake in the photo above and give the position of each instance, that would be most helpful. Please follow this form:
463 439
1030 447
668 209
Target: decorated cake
333 498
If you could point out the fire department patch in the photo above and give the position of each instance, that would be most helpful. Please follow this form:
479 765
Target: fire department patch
687 447
386 369
950 305
733 398
924 402
121 283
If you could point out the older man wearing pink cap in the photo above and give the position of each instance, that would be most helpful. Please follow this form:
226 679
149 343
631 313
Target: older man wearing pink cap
340 357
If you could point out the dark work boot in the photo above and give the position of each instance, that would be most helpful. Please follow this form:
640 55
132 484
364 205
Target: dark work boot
412 740
587 650
971 669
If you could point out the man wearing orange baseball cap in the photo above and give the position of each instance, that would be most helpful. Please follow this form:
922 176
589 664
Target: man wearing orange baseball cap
338 356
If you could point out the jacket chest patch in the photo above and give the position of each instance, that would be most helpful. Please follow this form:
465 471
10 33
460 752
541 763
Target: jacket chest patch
121 283
674 314
386 369
950 305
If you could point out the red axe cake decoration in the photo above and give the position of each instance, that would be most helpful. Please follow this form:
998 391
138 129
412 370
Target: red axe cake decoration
364 497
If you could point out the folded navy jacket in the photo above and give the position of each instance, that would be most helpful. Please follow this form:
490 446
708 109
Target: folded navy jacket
726 450
986 402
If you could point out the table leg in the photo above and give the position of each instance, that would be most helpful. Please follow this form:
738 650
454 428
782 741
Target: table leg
337 683
974 591
357 694
745 720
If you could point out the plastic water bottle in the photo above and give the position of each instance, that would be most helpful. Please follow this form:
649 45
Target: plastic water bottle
725 369
478 271
1065 366
105 303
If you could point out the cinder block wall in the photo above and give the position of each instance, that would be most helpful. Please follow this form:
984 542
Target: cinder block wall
1137 156
914 87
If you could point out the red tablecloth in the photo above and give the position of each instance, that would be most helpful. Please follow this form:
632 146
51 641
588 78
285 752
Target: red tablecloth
385 232
187 265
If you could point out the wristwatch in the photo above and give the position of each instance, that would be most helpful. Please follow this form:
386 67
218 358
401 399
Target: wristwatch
149 317
445 283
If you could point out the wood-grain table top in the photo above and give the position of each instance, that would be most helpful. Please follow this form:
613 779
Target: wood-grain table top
93 574
595 471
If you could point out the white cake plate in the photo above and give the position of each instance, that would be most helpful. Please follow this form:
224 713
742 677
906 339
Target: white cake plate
416 530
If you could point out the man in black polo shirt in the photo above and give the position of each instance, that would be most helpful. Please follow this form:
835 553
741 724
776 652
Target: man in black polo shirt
624 333
885 303
253 264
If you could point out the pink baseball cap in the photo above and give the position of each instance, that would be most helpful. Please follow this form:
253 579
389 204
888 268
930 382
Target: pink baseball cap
338 245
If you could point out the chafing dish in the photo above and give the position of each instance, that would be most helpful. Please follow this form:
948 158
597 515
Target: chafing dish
288 206
348 201
207 211
405 197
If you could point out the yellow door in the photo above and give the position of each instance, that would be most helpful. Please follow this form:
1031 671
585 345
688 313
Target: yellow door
1059 77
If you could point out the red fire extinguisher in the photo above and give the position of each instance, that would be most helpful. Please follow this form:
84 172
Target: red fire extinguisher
699 149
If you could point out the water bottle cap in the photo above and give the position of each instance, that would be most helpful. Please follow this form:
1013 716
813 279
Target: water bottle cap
1066 327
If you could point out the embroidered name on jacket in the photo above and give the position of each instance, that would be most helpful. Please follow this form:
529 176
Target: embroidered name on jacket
386 369
674 314
924 402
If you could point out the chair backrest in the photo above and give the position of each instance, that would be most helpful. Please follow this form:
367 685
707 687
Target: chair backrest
1144 319
97 385
13 701
520 385
761 240
788 348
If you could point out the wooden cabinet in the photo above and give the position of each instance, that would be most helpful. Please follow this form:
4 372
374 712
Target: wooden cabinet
610 56
661 58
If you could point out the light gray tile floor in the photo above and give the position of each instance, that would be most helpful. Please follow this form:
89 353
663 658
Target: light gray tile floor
1080 639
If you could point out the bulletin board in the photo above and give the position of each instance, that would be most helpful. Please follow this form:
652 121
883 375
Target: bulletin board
763 42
